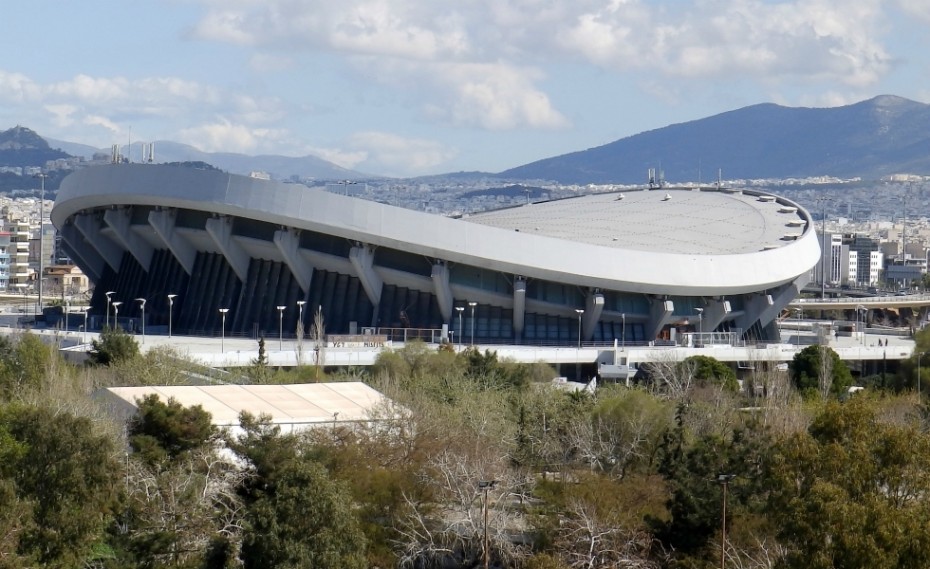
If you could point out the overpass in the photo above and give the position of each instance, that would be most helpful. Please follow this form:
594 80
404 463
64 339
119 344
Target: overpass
919 301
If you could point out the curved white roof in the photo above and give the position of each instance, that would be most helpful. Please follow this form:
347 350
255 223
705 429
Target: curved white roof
695 243
684 221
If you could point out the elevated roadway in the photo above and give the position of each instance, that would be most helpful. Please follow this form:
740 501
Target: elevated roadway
867 302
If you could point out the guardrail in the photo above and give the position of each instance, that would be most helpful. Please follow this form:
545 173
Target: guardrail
896 299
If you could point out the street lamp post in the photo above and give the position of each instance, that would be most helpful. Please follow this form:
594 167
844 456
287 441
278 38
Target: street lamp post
67 310
116 313
919 355
485 486
460 310
108 295
864 311
473 304
300 313
223 312
281 328
700 313
41 237
141 302
580 312
623 331
797 334
823 248
171 298
86 311
724 480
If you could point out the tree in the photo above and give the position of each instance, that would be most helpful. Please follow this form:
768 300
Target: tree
64 475
712 371
852 491
114 345
166 430
818 369
296 515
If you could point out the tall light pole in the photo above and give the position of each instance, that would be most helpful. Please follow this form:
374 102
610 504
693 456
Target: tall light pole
141 302
171 298
919 355
300 314
460 310
823 248
116 313
67 310
86 311
724 480
223 312
108 295
473 304
864 311
41 237
623 331
580 312
484 486
281 328
700 313
797 335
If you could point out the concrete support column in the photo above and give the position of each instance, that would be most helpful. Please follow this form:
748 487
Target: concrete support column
362 258
519 307
288 243
443 291
163 222
716 311
120 222
83 254
221 230
89 225
594 307
660 314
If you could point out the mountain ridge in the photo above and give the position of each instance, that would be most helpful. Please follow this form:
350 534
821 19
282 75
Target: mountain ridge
870 139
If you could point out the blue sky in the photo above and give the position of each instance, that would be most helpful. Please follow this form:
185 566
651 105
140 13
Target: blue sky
411 87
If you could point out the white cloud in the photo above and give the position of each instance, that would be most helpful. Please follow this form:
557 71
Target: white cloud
919 8
395 155
224 135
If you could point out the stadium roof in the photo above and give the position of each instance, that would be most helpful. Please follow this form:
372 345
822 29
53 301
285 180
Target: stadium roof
293 405
668 220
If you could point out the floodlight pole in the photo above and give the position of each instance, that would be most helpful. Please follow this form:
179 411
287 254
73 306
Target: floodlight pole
473 304
223 312
700 313
724 480
580 312
141 302
460 310
41 237
108 295
281 328
623 331
116 314
86 311
171 298
67 310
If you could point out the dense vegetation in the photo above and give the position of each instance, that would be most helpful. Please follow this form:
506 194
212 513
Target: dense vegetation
613 477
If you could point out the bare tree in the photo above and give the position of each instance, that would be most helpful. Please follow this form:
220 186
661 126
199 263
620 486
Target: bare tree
451 526
825 372
671 376
588 539
192 501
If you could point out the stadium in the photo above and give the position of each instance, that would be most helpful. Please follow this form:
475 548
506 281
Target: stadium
213 252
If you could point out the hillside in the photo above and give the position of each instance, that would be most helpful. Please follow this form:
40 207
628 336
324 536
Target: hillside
870 139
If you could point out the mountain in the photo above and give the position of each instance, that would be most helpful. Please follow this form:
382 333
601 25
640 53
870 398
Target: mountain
870 139
22 147
277 166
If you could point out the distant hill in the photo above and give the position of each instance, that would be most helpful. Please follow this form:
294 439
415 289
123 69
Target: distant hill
277 166
22 147
871 139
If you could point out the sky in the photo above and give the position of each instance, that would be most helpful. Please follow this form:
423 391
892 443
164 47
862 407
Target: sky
413 87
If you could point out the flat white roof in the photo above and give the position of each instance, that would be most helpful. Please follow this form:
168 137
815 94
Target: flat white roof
286 404
669 220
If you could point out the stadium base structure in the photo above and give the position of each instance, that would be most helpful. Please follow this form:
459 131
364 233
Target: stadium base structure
637 267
